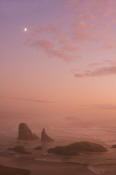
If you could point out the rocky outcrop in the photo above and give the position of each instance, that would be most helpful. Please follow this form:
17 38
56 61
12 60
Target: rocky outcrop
113 146
76 148
45 138
25 133
19 149
38 148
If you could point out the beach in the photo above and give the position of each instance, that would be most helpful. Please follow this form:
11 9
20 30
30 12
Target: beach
40 162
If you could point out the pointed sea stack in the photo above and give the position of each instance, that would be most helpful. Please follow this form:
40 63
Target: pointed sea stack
45 138
25 133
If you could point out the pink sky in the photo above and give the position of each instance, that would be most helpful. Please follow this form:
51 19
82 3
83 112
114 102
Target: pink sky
64 65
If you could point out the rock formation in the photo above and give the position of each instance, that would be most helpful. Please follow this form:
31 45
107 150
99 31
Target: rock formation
77 148
19 149
45 138
38 148
113 146
25 133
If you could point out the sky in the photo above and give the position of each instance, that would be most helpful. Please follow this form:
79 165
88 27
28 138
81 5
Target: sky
63 68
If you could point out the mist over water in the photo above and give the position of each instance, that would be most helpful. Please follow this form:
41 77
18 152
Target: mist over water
67 129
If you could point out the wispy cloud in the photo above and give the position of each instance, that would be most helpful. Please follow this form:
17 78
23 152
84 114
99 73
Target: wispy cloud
84 31
99 106
49 47
106 106
27 99
103 71
90 18
53 42
88 5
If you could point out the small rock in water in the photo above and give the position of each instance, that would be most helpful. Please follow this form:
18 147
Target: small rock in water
38 148
45 138
113 146
19 149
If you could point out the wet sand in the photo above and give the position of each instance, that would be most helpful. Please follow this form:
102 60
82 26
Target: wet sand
87 164
48 168
4 170
59 168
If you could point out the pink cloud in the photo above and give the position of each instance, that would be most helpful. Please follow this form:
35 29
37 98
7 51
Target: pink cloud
88 25
53 42
49 28
50 48
104 71
111 44
91 18
99 106
82 32
27 99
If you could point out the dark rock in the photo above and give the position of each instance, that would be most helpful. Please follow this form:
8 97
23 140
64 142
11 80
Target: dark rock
19 149
13 171
45 138
76 148
38 148
113 146
25 133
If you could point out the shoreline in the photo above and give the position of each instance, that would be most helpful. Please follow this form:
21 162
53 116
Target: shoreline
46 167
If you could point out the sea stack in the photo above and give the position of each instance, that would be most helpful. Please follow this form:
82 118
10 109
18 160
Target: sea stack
45 138
24 133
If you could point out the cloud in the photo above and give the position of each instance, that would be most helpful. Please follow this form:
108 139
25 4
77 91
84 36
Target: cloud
87 22
106 106
108 62
83 31
104 7
53 42
27 99
92 20
103 71
49 47
99 106
111 44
